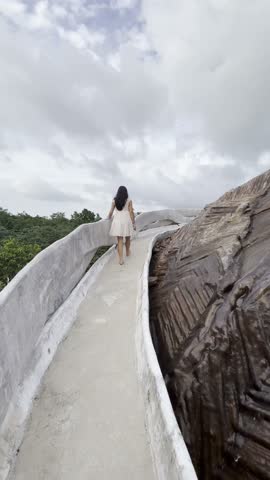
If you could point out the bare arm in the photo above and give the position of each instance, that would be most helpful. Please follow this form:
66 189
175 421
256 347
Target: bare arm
112 209
131 213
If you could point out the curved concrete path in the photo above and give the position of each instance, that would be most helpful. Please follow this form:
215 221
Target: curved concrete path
88 419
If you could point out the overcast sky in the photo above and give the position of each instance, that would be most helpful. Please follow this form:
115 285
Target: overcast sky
170 98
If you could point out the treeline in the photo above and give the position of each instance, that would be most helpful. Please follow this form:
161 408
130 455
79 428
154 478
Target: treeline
23 236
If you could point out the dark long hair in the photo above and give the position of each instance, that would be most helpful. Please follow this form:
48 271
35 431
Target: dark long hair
121 198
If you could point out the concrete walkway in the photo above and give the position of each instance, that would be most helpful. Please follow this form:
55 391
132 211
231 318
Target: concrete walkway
88 420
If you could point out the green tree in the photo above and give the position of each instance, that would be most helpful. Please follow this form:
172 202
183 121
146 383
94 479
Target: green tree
44 235
86 216
22 236
13 257
59 217
4 233
6 219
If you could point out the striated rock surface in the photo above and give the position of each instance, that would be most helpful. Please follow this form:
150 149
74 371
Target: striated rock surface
210 323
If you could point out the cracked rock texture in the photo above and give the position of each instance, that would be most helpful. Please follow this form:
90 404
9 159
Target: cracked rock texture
210 323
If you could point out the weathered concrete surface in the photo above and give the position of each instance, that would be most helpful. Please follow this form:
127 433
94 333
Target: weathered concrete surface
36 293
32 310
33 296
159 218
88 419
210 321
170 455
53 333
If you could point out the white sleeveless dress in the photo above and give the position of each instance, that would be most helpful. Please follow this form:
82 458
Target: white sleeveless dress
121 224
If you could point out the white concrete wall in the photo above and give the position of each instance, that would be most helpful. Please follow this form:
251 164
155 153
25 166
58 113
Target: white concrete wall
170 455
32 304
13 427
158 218
34 295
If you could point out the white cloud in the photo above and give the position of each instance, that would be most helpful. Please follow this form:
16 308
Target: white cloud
39 189
174 102
215 57
82 37
59 11
139 40
41 17
11 8
123 4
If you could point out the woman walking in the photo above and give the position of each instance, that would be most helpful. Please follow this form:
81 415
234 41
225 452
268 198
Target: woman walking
123 224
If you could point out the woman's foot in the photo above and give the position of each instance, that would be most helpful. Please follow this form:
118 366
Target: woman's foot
121 261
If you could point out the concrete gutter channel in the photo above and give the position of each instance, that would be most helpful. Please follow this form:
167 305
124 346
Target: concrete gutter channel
170 456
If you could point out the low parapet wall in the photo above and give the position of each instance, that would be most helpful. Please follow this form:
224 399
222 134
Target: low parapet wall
38 291
32 297
170 455
157 218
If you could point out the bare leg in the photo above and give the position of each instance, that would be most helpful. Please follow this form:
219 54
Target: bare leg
120 249
128 246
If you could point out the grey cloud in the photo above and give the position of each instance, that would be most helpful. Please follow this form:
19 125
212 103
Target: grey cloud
60 158
97 167
39 189
208 185
208 84
5 159
50 88
215 57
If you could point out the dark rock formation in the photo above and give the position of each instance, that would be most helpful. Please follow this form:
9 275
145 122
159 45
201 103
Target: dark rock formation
210 322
